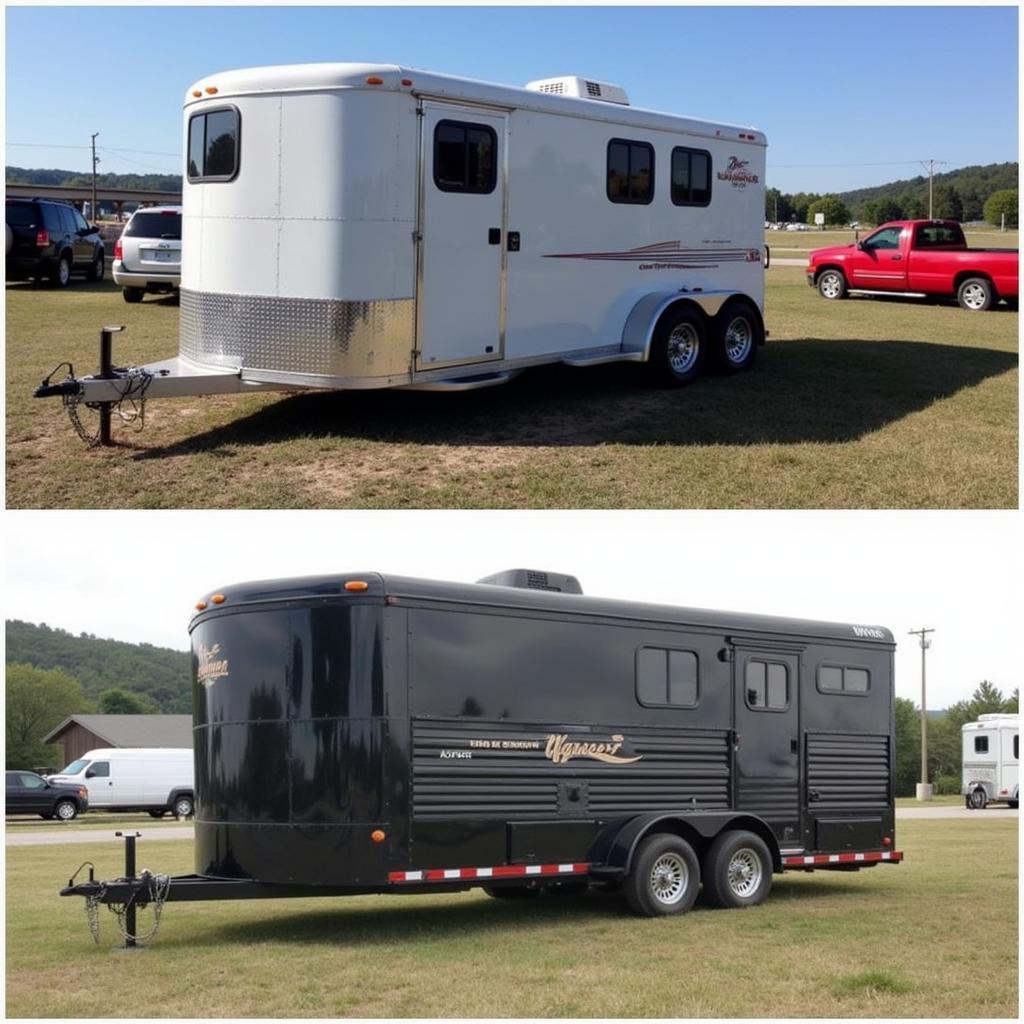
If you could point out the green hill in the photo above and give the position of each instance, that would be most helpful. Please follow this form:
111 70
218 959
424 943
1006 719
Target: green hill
56 176
158 672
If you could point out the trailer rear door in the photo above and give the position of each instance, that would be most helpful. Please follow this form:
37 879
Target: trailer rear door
460 293
767 736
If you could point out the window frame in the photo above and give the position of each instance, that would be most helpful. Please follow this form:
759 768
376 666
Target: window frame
766 662
466 125
629 143
978 738
666 651
842 692
205 113
690 151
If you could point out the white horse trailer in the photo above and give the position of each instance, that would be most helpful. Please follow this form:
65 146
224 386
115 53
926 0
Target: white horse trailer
991 760
372 226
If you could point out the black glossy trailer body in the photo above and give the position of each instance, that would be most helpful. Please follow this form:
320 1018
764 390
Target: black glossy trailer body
416 733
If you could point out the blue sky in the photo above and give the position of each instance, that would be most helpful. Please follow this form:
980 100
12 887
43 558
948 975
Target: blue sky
849 96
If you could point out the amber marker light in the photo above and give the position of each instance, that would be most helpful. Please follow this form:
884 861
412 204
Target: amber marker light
217 599
197 92
378 835
200 606
211 90
357 585
374 80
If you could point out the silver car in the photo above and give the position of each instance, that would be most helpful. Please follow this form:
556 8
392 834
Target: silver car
147 257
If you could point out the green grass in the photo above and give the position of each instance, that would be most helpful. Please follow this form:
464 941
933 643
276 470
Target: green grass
90 820
942 800
932 937
864 403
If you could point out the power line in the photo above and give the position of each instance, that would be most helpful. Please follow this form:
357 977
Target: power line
112 149
881 163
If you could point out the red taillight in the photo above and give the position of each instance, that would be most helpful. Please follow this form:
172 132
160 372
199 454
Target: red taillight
118 250
42 238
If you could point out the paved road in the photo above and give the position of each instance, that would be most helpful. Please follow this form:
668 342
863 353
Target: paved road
58 837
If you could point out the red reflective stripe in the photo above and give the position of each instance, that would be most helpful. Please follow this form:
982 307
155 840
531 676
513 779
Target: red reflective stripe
813 860
500 871
508 870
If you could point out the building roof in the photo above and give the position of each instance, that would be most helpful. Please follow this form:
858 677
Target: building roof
131 730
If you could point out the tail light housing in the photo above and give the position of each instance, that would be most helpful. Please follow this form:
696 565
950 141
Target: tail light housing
118 250
42 238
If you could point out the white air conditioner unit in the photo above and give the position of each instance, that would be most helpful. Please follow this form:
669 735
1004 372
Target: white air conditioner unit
581 88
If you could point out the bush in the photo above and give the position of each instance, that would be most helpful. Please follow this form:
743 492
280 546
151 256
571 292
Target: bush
999 203
946 785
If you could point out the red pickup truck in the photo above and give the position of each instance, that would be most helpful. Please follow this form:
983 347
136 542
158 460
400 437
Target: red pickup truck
917 258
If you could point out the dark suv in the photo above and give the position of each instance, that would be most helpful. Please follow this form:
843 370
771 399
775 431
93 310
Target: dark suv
52 241
29 793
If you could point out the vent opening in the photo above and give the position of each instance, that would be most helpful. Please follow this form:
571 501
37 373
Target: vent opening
535 579
581 88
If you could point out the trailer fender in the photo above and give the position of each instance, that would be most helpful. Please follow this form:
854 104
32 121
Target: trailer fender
613 851
638 331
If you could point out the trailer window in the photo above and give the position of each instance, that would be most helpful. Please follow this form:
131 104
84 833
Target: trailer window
213 145
465 157
666 678
843 679
767 685
981 744
630 171
691 177
1016 741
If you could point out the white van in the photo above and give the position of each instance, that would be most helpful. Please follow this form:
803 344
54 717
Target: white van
154 779
991 760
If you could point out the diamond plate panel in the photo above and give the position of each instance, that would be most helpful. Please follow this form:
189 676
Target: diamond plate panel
320 337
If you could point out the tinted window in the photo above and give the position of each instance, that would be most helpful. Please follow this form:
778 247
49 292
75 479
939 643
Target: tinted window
52 217
80 224
67 220
213 145
981 744
936 235
21 215
100 769
766 685
630 171
154 225
14 780
465 157
666 678
691 177
843 679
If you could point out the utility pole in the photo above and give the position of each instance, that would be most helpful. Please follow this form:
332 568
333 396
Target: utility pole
929 166
924 789
95 160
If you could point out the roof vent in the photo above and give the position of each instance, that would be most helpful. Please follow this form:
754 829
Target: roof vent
533 579
581 88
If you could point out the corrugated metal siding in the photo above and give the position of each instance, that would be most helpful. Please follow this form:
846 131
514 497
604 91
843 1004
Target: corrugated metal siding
677 769
849 772
773 800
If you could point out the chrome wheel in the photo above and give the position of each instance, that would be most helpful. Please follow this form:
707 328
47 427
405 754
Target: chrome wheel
66 810
739 338
683 348
831 285
669 877
182 807
974 296
745 872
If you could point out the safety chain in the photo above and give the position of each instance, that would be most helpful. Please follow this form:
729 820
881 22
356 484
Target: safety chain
157 888
135 385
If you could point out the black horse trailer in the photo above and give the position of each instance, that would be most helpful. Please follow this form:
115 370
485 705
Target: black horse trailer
371 733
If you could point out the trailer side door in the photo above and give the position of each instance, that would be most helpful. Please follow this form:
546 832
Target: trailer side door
462 236
767 744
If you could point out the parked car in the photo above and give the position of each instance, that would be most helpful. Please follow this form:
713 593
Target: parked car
154 779
147 256
48 240
29 793
917 258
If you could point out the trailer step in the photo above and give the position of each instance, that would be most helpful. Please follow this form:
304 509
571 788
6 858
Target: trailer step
616 355
477 381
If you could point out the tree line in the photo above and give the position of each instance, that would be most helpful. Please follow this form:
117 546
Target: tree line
986 192
56 176
944 738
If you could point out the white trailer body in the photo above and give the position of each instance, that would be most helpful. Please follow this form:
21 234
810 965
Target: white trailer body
155 779
991 760
369 226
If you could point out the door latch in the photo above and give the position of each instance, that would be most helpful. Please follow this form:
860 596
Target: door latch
494 236
513 241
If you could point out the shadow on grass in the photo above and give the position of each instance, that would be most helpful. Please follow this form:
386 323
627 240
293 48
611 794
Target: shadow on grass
800 391
391 920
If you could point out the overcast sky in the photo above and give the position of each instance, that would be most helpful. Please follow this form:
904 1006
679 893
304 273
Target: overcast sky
136 575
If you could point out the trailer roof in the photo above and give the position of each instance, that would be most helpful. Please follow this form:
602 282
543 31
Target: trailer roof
488 595
330 76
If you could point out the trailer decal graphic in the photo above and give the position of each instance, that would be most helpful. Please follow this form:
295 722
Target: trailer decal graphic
560 749
211 667
736 172
665 255
501 871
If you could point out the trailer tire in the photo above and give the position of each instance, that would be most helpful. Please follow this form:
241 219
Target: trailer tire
737 335
133 294
976 294
831 284
66 810
977 799
737 870
511 892
665 877
678 348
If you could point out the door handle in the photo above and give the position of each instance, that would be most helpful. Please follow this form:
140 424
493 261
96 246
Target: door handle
513 241
494 236
794 746
814 795
896 258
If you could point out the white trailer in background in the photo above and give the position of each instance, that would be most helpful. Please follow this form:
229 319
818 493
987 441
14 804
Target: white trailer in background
374 226
991 759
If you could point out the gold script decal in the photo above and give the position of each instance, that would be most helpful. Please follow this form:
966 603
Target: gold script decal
210 666
560 749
